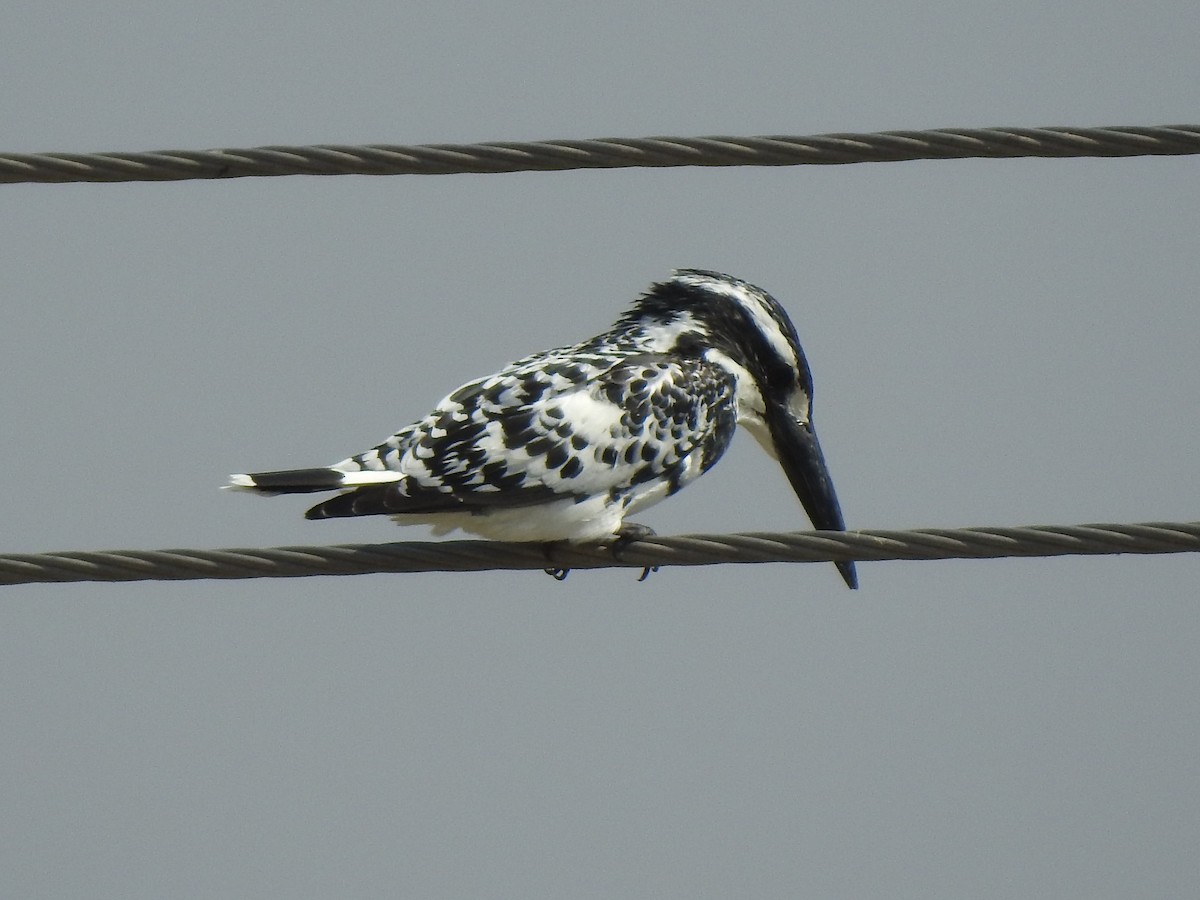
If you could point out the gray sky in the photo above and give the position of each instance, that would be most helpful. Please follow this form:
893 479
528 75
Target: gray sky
994 342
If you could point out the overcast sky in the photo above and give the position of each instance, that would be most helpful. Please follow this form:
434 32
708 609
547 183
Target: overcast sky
993 343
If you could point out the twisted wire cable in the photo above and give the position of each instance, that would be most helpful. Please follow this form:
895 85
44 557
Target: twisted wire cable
684 550
511 156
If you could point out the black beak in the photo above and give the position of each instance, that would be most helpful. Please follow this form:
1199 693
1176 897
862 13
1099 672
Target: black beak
800 455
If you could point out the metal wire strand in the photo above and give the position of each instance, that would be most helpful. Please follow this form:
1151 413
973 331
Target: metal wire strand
607 153
685 550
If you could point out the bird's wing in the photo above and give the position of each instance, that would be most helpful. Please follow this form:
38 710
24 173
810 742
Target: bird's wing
544 432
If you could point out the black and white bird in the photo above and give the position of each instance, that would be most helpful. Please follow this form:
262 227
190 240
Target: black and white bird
564 444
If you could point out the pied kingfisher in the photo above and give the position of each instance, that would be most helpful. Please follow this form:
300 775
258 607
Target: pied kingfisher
564 444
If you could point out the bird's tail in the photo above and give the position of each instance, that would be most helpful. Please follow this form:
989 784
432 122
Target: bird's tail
308 481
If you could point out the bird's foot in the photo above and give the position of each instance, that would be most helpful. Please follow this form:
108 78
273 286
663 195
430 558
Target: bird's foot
556 572
631 533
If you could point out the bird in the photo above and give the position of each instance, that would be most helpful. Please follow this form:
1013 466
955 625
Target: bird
563 445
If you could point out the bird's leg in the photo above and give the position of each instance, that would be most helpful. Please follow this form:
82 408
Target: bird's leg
630 533
558 574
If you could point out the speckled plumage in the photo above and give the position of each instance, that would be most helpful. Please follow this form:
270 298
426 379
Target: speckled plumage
564 444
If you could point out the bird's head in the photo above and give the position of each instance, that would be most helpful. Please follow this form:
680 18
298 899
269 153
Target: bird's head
744 330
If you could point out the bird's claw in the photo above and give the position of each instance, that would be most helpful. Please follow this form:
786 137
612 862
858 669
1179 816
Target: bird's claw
631 533
558 573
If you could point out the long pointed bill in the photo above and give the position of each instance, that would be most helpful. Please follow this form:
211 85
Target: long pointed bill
799 453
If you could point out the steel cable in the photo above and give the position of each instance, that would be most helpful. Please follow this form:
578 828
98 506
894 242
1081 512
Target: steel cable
684 550
511 156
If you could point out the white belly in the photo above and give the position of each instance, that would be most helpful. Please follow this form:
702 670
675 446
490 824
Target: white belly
591 520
